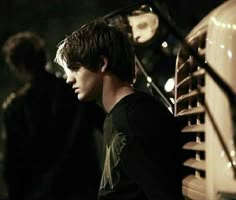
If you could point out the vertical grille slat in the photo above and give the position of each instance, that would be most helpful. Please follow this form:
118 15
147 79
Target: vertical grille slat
195 163
194 128
196 146
195 183
191 111
193 194
188 79
191 95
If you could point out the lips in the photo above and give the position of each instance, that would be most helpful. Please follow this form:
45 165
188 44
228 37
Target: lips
76 89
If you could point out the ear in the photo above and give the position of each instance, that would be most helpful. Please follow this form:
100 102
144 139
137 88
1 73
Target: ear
104 63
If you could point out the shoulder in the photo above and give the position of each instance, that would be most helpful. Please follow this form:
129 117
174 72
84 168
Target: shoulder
14 99
134 106
141 110
8 101
141 103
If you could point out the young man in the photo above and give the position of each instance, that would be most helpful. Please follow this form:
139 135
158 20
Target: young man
46 151
141 157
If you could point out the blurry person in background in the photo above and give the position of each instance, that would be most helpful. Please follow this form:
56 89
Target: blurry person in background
50 141
141 157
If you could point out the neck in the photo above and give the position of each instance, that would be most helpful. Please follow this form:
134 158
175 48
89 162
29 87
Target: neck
113 91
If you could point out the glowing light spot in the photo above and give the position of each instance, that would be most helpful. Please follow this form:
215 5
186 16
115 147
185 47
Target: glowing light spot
230 55
222 46
164 44
149 79
210 42
172 100
222 154
232 153
170 84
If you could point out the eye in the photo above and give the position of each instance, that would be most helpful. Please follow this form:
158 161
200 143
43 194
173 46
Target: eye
74 67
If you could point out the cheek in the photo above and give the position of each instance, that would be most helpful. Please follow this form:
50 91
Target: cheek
94 84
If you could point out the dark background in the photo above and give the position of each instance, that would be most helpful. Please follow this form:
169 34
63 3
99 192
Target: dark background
54 19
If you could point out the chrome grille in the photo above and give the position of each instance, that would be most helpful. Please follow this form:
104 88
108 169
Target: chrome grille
189 104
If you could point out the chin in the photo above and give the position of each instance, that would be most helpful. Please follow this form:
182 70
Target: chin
80 98
83 98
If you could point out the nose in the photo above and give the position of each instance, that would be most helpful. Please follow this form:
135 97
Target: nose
70 79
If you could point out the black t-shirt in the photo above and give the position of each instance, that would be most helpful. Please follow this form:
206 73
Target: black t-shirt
142 146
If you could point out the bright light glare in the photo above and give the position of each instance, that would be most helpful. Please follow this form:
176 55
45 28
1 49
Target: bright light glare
149 79
164 44
170 84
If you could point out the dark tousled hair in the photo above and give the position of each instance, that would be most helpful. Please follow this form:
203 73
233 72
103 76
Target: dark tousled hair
25 51
88 44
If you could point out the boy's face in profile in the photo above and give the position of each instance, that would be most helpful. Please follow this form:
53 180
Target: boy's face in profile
86 84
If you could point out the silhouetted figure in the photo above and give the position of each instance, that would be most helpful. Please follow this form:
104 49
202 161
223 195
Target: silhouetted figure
49 151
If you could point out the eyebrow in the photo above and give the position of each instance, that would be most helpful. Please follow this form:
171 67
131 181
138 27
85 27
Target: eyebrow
74 63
